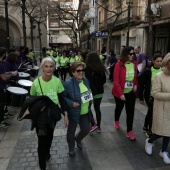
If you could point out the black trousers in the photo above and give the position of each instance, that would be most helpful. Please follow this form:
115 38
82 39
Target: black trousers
63 73
149 115
129 106
2 104
44 145
97 103
84 124
165 142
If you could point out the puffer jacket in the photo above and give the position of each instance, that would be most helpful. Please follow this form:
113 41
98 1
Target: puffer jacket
72 94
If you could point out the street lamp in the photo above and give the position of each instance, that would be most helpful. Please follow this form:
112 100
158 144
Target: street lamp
129 3
88 29
7 23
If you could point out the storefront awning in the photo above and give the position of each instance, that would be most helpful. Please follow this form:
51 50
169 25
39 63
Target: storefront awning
154 23
116 33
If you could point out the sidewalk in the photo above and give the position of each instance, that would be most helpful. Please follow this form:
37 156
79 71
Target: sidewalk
109 150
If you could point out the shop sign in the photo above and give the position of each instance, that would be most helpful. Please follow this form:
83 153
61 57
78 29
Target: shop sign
100 34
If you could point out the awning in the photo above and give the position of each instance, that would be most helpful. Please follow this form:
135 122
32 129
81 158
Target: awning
116 33
154 23
62 39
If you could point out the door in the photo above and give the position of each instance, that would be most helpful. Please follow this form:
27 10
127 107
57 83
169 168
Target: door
3 38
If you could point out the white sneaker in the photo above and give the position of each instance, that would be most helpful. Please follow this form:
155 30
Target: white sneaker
165 157
148 147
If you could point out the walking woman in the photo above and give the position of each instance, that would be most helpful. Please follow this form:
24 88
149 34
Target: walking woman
95 73
145 91
112 61
50 86
77 96
161 110
64 61
124 88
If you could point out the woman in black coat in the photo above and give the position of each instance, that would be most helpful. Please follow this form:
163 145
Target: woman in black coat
95 73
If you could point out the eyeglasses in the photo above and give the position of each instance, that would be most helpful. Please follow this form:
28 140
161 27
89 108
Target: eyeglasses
131 54
78 71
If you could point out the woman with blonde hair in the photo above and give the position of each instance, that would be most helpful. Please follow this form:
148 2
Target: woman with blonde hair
161 114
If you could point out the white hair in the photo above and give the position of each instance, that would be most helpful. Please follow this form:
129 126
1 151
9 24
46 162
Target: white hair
48 59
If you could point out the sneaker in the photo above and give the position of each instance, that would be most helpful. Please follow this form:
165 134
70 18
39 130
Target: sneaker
145 130
165 157
4 125
149 134
116 125
131 135
71 153
98 130
148 147
93 128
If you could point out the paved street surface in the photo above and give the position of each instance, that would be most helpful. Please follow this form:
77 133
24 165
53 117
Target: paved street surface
109 150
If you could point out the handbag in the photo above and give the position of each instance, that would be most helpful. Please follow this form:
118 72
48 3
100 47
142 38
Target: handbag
55 111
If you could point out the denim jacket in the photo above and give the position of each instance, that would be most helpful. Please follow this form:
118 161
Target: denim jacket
72 94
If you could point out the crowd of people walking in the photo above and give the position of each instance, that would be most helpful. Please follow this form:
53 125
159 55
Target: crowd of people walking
75 81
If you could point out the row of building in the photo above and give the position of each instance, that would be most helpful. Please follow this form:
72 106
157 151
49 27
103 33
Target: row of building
148 23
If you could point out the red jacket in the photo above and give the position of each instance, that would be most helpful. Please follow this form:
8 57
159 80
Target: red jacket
120 77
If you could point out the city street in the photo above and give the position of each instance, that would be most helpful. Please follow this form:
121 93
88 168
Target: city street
109 150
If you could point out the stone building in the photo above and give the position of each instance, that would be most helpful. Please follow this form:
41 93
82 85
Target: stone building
16 30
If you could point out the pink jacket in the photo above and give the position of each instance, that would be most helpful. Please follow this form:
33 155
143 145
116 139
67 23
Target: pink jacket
120 77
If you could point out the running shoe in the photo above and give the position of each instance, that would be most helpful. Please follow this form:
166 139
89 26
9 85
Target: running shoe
116 125
131 135
93 128
98 130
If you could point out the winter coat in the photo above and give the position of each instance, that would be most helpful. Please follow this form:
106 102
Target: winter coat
161 108
96 80
120 78
72 94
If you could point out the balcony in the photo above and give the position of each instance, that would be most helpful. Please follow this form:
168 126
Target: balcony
137 14
103 25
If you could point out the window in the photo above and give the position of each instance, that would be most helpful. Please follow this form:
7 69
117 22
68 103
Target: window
54 24
70 22
54 32
66 4
53 15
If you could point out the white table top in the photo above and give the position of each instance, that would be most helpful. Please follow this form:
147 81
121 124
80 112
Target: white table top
22 74
17 90
26 83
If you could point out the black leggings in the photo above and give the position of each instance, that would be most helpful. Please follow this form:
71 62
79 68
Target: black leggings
63 72
129 106
44 145
149 115
165 141
96 103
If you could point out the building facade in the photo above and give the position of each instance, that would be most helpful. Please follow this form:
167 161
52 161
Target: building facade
60 23
16 29
148 24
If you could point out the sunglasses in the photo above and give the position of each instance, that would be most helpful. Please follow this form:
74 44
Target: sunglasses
131 54
78 71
